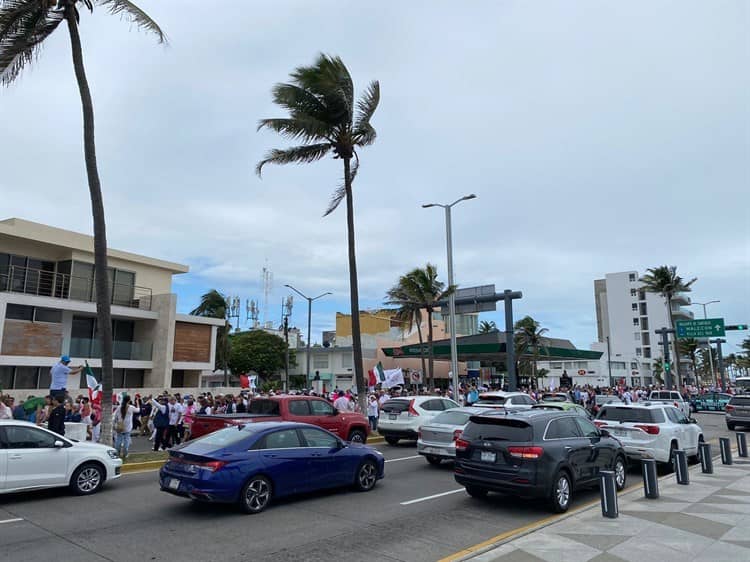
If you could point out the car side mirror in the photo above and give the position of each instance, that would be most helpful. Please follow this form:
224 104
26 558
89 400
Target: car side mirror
604 433
692 420
59 444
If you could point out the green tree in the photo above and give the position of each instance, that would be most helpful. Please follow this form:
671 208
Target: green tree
408 315
690 347
664 281
324 117
529 335
214 305
420 289
259 351
24 27
487 327
658 370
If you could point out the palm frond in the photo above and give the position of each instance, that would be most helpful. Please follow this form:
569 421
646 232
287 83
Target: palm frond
367 104
329 80
134 15
301 128
364 135
24 25
294 155
340 193
300 102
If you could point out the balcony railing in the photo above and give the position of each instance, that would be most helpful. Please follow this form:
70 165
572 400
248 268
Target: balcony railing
64 286
123 350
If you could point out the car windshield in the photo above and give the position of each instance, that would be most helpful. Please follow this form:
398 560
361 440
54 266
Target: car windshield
664 395
498 429
490 400
630 415
227 436
554 398
605 398
452 418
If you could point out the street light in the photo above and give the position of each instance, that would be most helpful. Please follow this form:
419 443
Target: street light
710 353
309 319
232 310
452 298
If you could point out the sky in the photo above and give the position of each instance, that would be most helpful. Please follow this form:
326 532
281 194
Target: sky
599 136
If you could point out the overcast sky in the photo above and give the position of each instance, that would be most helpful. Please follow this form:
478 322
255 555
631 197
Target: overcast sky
599 136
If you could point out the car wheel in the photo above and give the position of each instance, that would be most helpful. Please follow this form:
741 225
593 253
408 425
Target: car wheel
562 492
256 494
433 460
87 479
475 492
621 473
367 476
669 465
357 436
391 440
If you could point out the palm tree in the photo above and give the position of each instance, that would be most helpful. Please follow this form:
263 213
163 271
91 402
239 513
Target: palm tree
324 117
665 281
408 314
487 327
529 335
690 347
24 26
214 305
420 289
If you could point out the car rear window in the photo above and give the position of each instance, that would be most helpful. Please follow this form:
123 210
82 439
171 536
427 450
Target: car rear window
664 395
498 429
630 415
263 407
452 418
227 436
740 401
489 399
396 406
554 398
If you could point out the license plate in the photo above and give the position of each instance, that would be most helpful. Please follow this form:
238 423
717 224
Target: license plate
392 416
174 484
487 456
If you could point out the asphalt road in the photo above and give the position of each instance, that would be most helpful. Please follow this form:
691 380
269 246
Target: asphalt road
416 513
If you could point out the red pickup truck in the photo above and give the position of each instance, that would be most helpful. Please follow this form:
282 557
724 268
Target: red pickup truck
308 409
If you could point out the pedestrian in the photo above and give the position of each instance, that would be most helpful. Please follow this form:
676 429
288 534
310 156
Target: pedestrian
342 402
56 420
175 421
373 411
6 407
123 421
161 423
187 418
59 377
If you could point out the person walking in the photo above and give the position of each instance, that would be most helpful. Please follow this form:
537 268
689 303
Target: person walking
161 423
59 377
373 412
123 426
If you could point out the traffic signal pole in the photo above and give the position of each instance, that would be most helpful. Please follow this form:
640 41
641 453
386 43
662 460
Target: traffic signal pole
719 360
664 333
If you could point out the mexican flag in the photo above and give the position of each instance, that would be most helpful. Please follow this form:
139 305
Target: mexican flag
95 387
376 375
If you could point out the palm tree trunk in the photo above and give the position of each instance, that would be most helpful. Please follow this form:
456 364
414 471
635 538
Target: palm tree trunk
676 371
421 349
432 354
101 280
359 373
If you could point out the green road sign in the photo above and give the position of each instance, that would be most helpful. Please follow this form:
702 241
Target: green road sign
708 328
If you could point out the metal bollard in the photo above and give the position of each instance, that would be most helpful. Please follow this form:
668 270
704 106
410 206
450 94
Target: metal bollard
707 463
726 450
741 444
681 467
608 492
650 480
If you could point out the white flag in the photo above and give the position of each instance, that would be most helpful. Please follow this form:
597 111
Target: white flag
393 377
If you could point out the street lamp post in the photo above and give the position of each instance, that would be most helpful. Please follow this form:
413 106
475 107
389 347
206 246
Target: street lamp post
232 310
452 297
710 352
309 326
286 312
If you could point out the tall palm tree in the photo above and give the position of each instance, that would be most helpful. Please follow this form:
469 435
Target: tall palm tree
214 305
487 327
409 314
24 26
690 347
324 117
530 336
421 289
665 281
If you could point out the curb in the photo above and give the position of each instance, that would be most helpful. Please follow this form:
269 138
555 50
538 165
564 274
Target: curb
141 466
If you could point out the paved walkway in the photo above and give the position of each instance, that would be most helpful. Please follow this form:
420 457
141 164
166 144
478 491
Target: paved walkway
709 519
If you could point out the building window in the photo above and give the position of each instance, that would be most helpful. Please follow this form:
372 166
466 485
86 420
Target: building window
644 323
642 295
637 336
633 365
6 377
646 338
320 361
633 292
638 352
647 352
19 312
636 322
568 364
26 377
644 309
632 277
556 365
347 361
619 365
635 307
582 365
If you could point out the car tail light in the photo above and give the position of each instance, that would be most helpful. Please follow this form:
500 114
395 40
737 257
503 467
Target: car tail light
526 452
213 466
729 408
650 429
676 405
412 411
462 445
457 434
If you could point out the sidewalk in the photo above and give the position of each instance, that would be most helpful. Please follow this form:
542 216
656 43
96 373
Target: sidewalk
709 519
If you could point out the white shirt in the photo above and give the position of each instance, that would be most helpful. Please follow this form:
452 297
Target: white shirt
341 404
128 419
175 413
383 399
59 376
373 408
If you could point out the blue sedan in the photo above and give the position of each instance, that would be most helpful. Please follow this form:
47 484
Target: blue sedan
255 463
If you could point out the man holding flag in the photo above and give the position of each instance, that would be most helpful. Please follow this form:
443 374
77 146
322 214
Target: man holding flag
59 377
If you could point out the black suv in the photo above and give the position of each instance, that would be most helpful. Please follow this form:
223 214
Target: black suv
536 453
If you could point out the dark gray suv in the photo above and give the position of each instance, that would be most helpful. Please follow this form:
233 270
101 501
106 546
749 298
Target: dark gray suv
737 411
535 453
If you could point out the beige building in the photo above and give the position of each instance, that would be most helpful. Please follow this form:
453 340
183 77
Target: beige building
47 309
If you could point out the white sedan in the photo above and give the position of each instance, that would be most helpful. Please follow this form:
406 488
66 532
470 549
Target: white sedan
32 458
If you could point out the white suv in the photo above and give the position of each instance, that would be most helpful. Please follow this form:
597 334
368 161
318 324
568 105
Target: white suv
651 430
507 400
400 418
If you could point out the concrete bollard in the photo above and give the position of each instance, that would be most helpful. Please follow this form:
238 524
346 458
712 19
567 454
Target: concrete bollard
726 450
741 444
650 479
681 467
608 491
707 463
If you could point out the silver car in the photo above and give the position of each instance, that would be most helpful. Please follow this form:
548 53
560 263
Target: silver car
737 411
437 438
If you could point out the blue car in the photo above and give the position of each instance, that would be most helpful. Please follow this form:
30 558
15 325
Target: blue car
253 464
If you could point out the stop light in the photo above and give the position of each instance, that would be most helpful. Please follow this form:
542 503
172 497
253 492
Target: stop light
667 367
736 327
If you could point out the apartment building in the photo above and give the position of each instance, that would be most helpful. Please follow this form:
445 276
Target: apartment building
47 309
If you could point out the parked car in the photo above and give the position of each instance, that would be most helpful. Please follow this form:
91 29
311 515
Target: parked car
400 418
254 464
651 430
670 397
437 438
349 426
32 458
738 411
601 399
716 401
564 407
507 400
536 453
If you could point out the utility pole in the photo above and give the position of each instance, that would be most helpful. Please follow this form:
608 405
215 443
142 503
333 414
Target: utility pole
609 363
286 312
664 333
232 310
719 359
510 349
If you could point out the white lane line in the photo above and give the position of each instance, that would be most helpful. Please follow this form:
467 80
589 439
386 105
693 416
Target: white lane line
403 458
10 520
432 497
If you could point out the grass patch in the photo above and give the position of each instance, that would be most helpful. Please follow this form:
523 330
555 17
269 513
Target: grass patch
146 457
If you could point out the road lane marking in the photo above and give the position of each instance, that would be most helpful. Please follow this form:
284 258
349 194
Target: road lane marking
403 458
410 502
10 520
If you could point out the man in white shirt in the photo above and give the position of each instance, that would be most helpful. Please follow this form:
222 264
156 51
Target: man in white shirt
59 377
341 403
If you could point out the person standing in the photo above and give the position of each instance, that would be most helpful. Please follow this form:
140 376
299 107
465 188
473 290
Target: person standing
175 421
56 419
6 407
123 421
161 423
342 402
59 377
373 412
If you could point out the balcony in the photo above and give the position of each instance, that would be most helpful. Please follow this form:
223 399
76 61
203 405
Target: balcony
681 299
122 350
42 283
679 313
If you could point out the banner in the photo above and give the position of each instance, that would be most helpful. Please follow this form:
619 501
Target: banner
393 377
